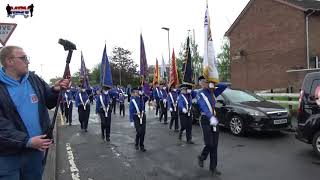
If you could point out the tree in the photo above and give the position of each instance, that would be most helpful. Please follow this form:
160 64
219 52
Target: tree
122 66
224 62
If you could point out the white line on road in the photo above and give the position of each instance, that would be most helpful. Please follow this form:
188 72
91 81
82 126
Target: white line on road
73 168
62 120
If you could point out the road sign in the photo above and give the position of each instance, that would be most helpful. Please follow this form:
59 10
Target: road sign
6 30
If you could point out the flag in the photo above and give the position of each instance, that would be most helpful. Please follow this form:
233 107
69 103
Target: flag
156 77
143 68
210 71
174 80
163 71
187 66
105 73
84 77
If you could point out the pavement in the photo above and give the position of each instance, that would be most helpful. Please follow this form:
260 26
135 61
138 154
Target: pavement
262 156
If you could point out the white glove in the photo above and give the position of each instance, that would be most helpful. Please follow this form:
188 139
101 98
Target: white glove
213 121
171 109
184 110
132 124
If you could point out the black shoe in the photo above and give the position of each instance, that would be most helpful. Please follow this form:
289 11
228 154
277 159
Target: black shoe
200 162
85 130
190 142
215 172
176 130
142 149
108 139
165 123
180 136
137 147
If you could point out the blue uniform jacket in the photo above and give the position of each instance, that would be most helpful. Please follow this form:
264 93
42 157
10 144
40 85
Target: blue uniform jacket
67 96
113 93
121 98
182 103
163 94
84 96
106 101
202 103
140 102
156 93
174 96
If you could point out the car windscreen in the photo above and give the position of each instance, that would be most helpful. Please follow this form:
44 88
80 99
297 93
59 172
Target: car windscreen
238 96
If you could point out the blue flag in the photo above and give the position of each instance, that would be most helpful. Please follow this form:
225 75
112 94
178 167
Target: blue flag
105 73
84 77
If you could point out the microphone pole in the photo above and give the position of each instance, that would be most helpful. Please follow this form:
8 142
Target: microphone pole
68 46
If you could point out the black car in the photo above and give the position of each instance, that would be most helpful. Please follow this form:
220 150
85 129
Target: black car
241 111
309 111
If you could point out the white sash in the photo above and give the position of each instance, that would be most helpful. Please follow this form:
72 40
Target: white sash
84 104
173 102
187 103
207 101
158 92
106 109
68 102
140 115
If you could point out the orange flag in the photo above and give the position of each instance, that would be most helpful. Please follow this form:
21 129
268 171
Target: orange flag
174 80
156 73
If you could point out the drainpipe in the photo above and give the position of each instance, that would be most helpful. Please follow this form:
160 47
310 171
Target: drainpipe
307 34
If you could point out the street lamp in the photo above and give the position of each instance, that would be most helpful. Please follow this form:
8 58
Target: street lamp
167 29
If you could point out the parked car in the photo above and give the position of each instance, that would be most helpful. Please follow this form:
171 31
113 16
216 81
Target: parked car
309 111
242 111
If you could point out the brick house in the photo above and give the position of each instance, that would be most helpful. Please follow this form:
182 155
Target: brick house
274 43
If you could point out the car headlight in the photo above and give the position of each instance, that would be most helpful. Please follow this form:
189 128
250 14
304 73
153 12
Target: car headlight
254 112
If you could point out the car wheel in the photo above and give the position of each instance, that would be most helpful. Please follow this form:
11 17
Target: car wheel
316 143
236 125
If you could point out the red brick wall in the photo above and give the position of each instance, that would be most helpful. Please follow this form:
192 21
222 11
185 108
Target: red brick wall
272 36
314 36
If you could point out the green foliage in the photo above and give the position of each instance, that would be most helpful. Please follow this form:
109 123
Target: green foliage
224 62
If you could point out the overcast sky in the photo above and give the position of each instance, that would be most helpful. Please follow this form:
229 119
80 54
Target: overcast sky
89 24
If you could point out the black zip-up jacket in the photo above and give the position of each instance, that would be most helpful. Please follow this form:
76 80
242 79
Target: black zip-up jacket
13 133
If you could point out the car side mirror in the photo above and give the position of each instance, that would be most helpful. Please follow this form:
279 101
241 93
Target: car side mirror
221 102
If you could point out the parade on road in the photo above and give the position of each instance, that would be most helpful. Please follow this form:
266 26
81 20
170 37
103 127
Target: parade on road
175 123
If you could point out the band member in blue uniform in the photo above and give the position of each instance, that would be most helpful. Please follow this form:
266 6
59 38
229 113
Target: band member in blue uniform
83 104
209 123
173 107
103 107
114 96
68 106
138 117
185 105
163 102
156 97
121 104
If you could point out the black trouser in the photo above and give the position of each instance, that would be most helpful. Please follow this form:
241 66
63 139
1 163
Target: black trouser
186 124
174 119
84 116
114 104
211 140
157 106
129 95
68 112
140 129
62 107
105 123
163 111
91 99
121 107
